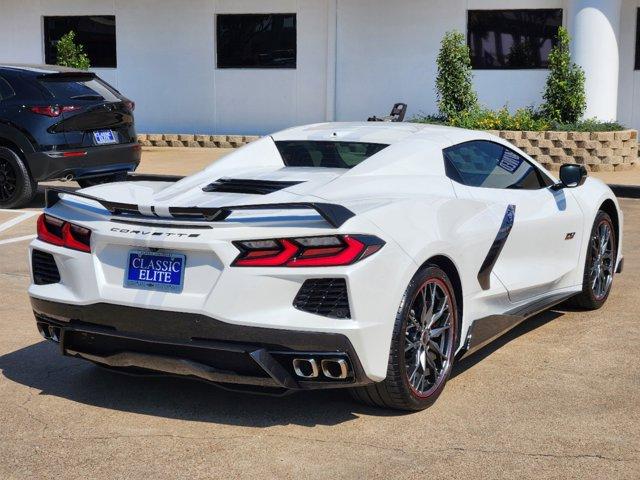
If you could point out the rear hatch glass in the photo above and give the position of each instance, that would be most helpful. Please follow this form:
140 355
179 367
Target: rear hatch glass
324 154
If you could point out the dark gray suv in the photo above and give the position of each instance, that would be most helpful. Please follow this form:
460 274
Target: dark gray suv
61 123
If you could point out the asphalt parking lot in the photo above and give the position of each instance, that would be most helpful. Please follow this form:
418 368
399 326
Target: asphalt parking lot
558 397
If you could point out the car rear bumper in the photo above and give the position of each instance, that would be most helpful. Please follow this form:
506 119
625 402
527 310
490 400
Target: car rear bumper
84 162
143 340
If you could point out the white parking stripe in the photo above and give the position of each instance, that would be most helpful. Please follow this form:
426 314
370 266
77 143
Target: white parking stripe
17 239
15 221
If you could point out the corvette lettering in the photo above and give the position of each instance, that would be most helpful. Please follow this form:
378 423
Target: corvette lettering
154 234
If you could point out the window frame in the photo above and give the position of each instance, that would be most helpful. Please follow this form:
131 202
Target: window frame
255 67
93 67
502 67
545 180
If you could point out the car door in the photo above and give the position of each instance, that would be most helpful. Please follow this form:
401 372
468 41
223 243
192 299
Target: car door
541 251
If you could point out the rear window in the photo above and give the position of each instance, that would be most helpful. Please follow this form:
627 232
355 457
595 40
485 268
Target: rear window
326 154
94 89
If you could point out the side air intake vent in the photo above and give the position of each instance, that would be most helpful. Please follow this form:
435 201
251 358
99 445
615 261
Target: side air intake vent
45 270
256 187
324 296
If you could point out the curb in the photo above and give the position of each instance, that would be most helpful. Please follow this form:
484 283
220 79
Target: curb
625 191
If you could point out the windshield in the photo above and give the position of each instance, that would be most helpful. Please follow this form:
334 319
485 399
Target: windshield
305 153
94 89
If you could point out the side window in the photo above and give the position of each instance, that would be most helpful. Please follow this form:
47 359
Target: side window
481 163
6 91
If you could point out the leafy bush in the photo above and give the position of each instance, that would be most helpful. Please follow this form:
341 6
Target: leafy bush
454 80
71 54
565 100
486 119
522 119
588 125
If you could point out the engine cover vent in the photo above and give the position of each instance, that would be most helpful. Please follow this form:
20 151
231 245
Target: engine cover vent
324 296
240 185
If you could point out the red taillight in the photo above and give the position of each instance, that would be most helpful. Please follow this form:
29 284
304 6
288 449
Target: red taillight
64 234
50 229
53 110
328 251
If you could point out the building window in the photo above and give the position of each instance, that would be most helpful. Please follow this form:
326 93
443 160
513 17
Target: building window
96 32
637 65
256 41
503 39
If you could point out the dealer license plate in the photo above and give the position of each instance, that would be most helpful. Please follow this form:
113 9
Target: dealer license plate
160 271
105 137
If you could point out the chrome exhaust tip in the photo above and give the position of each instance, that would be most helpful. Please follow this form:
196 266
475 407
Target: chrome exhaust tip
44 331
55 334
306 367
335 368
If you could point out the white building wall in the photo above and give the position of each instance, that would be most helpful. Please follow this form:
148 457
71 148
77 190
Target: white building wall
387 54
166 62
355 58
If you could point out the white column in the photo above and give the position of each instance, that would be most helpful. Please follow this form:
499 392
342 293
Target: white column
593 26
332 32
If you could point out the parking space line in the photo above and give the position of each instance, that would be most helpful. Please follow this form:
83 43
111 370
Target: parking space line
17 239
15 221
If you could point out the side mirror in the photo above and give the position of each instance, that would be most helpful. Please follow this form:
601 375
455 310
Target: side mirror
572 175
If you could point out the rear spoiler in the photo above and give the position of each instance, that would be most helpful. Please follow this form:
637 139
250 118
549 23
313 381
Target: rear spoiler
335 215
67 77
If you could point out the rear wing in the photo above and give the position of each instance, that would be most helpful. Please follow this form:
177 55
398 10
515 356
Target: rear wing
335 215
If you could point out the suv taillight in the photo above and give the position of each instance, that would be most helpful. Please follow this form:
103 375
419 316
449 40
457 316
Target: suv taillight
64 234
327 251
54 110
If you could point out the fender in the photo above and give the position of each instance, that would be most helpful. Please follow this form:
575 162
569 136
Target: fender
17 137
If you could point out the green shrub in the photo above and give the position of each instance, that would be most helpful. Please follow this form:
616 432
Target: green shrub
522 119
454 80
71 54
564 96
588 125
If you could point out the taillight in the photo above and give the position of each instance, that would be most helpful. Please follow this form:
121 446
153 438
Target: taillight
54 110
64 234
327 251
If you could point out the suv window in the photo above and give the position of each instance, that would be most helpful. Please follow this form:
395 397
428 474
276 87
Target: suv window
78 90
325 154
481 163
6 91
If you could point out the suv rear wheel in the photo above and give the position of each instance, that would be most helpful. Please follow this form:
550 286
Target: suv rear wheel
17 188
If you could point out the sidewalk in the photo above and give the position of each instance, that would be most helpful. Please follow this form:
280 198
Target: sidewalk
185 161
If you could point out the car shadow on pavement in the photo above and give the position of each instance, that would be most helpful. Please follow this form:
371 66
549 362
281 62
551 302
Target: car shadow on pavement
41 367
38 200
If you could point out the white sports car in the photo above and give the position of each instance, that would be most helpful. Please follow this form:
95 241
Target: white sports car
361 255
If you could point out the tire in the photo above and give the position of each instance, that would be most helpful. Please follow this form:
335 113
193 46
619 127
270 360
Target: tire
92 182
401 389
17 188
592 297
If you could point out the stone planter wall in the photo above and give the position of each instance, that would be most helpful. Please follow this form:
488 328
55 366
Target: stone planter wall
191 140
598 151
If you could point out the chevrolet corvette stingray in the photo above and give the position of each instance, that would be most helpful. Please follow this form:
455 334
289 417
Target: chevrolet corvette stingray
363 255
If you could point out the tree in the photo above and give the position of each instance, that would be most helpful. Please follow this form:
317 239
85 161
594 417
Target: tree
454 85
564 97
71 54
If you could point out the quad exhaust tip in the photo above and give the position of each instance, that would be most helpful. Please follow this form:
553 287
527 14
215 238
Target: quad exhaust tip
306 367
335 368
49 332
331 368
